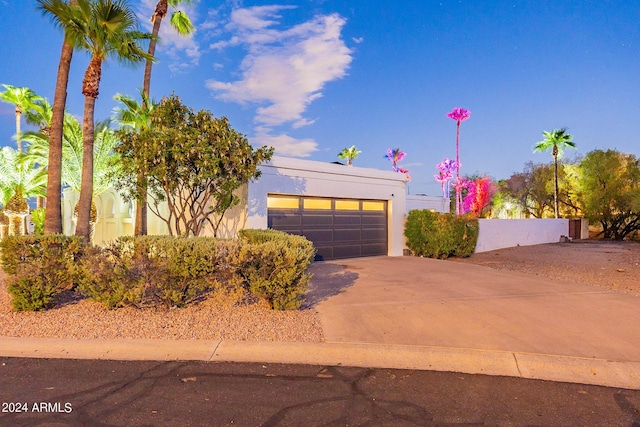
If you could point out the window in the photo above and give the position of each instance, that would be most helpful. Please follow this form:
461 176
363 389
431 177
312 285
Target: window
348 205
283 202
324 204
373 206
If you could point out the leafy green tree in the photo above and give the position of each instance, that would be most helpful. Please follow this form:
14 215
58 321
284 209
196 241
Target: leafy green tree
556 140
53 214
193 161
610 183
181 23
104 28
136 116
23 98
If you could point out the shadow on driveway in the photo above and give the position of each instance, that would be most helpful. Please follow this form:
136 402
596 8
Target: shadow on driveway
328 280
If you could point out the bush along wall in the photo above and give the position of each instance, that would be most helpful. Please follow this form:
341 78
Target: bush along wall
437 235
158 270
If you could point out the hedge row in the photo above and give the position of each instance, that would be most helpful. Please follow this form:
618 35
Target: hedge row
438 235
152 270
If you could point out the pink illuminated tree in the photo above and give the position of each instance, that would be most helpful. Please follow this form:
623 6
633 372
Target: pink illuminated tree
459 115
445 173
394 156
479 194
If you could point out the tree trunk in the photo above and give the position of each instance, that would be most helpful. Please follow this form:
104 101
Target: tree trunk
555 179
53 214
18 119
141 228
83 227
90 89
458 187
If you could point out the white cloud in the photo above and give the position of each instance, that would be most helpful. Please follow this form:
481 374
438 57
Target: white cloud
183 51
284 70
284 144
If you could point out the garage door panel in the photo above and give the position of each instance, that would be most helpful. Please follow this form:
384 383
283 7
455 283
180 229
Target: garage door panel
285 220
374 220
317 220
319 236
347 251
347 235
347 220
324 252
374 249
374 234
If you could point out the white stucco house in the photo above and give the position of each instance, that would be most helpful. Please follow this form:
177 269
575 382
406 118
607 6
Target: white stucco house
346 211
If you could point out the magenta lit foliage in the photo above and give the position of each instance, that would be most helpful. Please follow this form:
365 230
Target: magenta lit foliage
394 156
459 114
479 194
446 168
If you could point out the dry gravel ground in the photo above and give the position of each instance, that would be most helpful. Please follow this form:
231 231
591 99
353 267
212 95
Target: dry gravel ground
612 265
219 318
607 264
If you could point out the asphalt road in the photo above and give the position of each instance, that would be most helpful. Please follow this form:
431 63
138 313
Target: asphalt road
60 392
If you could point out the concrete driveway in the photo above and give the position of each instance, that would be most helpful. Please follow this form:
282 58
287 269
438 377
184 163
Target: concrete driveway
427 302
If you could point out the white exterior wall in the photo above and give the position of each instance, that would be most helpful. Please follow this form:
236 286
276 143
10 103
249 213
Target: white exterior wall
438 204
310 178
506 233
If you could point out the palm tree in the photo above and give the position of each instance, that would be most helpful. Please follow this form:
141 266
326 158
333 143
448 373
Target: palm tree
23 98
556 140
19 174
133 114
105 159
349 154
104 28
182 24
53 214
179 21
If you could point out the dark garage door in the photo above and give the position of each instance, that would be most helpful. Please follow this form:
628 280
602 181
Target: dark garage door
338 228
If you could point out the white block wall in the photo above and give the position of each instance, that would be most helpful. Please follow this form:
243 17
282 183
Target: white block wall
505 233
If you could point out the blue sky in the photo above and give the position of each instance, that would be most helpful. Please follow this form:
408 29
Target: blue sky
312 77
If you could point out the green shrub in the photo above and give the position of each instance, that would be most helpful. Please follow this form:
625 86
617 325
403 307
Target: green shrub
151 270
109 276
274 266
39 268
37 217
437 235
179 269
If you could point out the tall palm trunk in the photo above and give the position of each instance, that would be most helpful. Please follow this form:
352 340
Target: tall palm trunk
160 12
555 178
90 86
53 213
458 187
141 227
18 119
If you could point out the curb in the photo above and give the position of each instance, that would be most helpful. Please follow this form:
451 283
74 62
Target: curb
580 370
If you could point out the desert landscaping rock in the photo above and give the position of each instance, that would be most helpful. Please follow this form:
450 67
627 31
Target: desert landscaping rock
607 264
215 318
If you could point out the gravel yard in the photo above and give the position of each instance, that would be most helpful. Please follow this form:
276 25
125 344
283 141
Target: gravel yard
220 318
612 265
607 264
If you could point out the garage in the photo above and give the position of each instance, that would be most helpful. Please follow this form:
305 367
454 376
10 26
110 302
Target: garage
338 228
